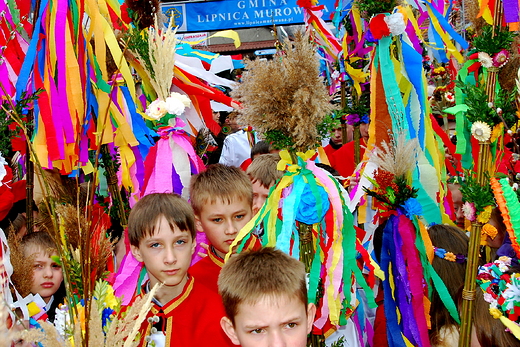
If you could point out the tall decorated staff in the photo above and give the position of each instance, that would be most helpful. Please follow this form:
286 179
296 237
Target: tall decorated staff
172 160
405 249
305 214
483 111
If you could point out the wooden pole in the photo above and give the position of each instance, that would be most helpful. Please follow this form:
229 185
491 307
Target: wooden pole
29 179
470 284
29 164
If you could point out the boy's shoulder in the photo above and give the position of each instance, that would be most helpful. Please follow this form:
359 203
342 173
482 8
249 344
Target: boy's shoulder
206 271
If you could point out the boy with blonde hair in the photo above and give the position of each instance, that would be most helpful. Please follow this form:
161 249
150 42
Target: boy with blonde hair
161 230
221 197
265 297
263 174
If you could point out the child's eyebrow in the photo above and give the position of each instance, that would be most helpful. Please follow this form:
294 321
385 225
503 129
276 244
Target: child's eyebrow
255 326
296 319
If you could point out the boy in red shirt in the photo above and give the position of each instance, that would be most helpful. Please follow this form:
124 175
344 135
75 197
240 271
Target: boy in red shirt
222 198
161 229
265 296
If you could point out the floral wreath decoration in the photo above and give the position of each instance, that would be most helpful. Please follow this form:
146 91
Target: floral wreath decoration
449 256
502 292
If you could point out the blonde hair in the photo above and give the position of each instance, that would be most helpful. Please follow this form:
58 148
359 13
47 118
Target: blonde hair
145 214
263 169
220 183
266 273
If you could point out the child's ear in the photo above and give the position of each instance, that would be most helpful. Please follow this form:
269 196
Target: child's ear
136 253
229 329
311 312
198 224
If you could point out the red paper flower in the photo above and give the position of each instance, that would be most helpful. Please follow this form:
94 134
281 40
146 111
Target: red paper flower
378 27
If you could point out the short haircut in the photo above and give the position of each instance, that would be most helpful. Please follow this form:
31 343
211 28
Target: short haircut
40 240
266 273
261 147
264 169
220 183
146 213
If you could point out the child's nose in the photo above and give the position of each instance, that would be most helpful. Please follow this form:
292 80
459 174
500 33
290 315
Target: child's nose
169 256
47 272
231 228
276 339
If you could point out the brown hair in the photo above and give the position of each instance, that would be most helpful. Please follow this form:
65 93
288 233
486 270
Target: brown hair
263 169
253 275
220 183
146 213
490 332
23 261
453 240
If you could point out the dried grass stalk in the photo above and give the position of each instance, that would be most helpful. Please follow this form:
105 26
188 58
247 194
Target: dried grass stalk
161 48
286 93
49 337
124 329
398 158
22 266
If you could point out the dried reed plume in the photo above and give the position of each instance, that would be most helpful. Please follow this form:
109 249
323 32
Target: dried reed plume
22 266
161 48
398 158
285 94
48 336
124 328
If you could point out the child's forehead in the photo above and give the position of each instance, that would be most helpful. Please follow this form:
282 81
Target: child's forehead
211 202
39 251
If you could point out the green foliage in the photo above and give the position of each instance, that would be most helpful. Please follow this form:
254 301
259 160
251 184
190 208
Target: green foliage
486 42
339 342
472 191
329 123
369 8
477 101
7 130
137 42
394 195
360 106
279 139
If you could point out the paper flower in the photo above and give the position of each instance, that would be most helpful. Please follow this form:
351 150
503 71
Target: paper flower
156 110
352 119
484 216
412 208
175 104
469 211
378 26
485 59
450 256
481 131
395 23
501 58
449 96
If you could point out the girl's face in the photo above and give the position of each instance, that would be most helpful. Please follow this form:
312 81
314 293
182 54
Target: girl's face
47 275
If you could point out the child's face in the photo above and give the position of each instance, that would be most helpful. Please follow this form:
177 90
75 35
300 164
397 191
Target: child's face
47 275
271 322
167 256
260 194
221 222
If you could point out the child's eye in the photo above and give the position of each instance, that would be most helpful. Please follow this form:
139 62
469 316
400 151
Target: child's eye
181 242
154 245
240 216
257 331
291 325
56 266
216 220
38 266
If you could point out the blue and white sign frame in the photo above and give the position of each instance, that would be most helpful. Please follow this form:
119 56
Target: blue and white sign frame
234 14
